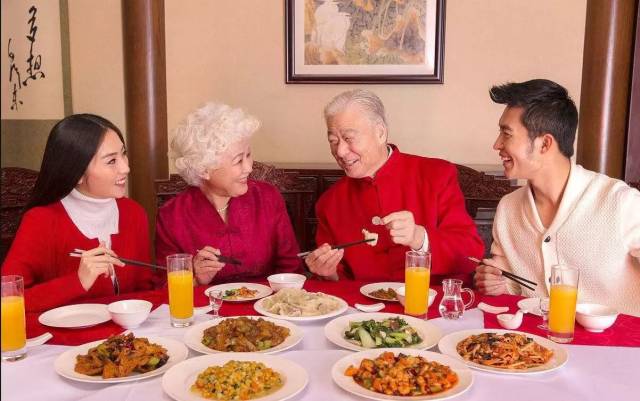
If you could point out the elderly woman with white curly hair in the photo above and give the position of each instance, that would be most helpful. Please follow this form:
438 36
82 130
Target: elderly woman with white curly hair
223 212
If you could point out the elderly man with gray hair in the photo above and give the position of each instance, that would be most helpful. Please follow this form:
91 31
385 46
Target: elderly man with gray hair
410 202
224 211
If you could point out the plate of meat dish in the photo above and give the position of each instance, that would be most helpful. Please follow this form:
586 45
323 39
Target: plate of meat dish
241 292
402 374
385 291
259 334
120 358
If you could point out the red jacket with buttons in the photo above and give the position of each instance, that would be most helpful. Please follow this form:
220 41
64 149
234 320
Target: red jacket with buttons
426 187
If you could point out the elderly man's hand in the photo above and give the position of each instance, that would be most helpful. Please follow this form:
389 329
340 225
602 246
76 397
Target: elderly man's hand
324 261
403 229
488 278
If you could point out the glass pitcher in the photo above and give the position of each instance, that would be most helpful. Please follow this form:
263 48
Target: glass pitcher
452 306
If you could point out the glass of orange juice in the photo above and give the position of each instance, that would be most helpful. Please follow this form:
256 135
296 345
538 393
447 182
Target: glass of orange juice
562 303
416 280
180 283
14 333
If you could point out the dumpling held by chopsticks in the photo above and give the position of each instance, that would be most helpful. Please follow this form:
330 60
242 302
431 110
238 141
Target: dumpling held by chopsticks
370 235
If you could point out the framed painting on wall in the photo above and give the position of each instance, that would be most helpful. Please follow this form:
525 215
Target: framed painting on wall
364 41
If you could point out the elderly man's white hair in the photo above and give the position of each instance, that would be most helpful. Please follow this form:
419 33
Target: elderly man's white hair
368 100
204 135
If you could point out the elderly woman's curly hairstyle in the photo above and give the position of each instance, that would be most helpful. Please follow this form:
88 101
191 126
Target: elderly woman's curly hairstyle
204 135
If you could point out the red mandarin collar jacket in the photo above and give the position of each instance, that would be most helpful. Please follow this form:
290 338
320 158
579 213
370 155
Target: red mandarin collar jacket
429 189
258 231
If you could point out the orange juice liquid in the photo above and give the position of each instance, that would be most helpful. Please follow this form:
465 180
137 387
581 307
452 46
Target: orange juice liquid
14 333
562 308
416 281
181 294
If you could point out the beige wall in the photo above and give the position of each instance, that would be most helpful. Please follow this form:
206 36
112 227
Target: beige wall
233 51
97 72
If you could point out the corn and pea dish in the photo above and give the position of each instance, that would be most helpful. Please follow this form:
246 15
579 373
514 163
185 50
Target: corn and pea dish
237 380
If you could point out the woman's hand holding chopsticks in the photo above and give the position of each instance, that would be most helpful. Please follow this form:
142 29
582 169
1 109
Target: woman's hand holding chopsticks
95 262
206 264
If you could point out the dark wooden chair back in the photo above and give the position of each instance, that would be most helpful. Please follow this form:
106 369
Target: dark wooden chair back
17 185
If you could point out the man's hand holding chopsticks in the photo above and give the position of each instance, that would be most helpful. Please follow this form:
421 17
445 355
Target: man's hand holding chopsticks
488 278
324 261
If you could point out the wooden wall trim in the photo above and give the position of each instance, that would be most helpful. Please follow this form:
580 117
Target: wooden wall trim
608 41
146 98
632 162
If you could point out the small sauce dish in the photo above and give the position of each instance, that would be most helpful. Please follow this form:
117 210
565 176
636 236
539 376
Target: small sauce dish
130 313
510 321
370 308
286 280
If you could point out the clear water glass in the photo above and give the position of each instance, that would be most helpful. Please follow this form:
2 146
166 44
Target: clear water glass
216 297
544 311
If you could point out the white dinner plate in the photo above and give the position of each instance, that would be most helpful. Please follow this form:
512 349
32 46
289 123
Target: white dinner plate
178 380
532 305
75 316
65 362
448 343
258 306
465 376
193 336
369 288
263 290
334 330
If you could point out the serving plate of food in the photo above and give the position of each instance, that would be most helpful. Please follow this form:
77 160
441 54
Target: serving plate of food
384 291
402 374
300 305
240 376
360 331
504 351
120 358
241 292
261 334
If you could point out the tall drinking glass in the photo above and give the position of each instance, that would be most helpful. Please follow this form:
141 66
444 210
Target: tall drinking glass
416 279
180 282
14 333
562 303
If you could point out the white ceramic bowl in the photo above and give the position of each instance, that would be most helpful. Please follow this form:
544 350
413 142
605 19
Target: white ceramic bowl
595 317
286 280
400 295
130 313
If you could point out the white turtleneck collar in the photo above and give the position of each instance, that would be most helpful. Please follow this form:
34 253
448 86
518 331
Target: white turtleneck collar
95 218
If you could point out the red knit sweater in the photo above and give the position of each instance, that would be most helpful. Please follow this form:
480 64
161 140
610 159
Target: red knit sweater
40 253
426 187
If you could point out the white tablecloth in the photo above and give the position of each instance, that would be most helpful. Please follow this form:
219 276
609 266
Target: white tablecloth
592 373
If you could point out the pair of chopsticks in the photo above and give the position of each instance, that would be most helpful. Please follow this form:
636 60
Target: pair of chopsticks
520 280
341 246
77 253
227 259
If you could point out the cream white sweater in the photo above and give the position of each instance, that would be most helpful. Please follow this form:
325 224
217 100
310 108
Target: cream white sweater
596 229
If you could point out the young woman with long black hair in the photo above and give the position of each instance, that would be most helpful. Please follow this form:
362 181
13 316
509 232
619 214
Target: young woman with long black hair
78 203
